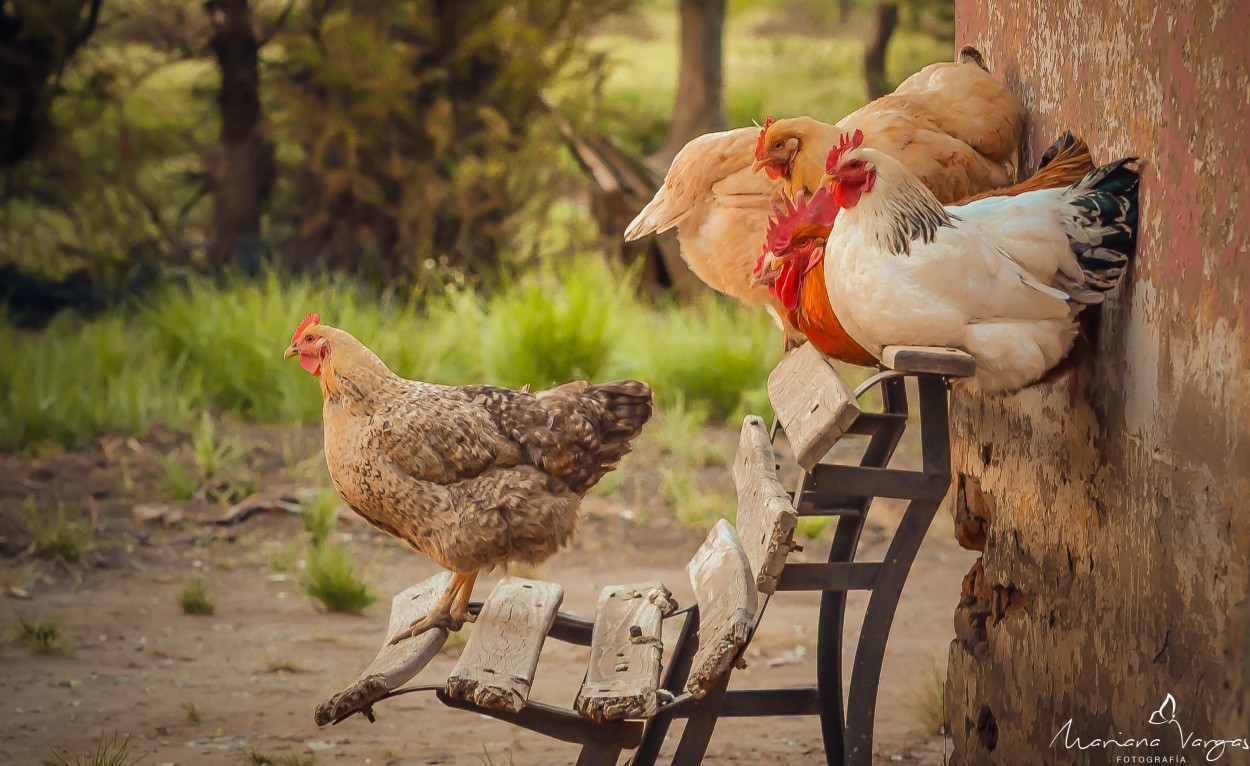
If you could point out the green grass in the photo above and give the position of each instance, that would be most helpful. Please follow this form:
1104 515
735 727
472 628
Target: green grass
216 348
929 702
41 637
333 580
55 537
109 751
319 515
192 712
194 598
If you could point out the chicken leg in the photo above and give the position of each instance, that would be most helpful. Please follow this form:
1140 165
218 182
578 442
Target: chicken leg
451 611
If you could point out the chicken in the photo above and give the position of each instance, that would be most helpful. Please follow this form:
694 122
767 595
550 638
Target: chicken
1002 278
947 113
793 265
951 124
471 476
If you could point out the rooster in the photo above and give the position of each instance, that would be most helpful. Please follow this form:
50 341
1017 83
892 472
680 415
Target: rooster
952 120
793 265
471 476
1002 278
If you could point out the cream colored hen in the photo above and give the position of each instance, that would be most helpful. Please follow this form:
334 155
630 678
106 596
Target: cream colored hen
951 123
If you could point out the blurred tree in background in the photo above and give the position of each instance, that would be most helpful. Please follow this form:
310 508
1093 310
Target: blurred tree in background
414 143
37 38
242 170
420 125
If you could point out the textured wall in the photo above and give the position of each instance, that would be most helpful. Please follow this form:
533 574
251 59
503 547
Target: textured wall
1113 506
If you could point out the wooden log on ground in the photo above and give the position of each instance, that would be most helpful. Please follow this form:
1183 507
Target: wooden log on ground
725 591
497 666
395 665
625 653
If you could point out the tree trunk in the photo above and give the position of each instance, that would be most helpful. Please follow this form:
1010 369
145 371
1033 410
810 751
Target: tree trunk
700 106
1112 506
34 47
243 172
874 52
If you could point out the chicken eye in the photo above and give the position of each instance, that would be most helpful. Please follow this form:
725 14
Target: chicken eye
805 242
308 338
777 145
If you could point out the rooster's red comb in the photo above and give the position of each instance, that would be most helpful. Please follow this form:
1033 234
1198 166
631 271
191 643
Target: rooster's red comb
309 321
848 142
759 142
820 210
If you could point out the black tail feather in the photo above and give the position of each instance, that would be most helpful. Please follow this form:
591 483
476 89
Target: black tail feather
1104 230
1065 141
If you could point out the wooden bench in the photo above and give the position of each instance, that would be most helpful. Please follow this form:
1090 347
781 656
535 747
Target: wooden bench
629 697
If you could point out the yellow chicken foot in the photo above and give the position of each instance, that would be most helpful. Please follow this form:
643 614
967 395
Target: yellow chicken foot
460 609
441 616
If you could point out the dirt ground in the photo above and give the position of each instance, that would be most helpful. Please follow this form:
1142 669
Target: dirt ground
213 689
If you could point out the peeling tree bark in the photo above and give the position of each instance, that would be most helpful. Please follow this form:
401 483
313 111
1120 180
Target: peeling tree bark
1112 505
242 174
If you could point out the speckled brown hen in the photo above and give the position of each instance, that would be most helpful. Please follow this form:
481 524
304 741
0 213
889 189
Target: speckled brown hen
471 476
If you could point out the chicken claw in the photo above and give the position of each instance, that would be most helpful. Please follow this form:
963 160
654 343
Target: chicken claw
451 612
439 618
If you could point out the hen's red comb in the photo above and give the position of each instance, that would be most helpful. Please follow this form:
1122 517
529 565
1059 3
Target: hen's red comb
309 321
847 143
821 209
759 142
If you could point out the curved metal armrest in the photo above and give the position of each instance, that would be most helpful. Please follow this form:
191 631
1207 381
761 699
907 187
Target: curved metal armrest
876 380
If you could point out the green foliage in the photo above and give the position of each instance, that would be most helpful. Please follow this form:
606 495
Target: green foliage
55 537
695 504
192 712
320 515
215 347
77 379
420 126
929 702
41 637
177 482
550 327
109 751
716 354
195 599
333 580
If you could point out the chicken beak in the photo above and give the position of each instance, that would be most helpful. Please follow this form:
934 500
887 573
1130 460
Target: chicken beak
291 351
758 165
771 264
827 180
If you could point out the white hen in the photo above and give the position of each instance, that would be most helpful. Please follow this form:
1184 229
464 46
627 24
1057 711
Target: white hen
1001 278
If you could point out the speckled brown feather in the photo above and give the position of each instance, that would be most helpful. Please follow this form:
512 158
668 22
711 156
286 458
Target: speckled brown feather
472 476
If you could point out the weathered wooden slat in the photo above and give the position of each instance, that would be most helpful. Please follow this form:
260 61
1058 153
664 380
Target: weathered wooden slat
929 359
725 592
497 666
766 517
625 653
813 403
394 665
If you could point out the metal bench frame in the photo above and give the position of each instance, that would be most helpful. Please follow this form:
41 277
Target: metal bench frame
841 491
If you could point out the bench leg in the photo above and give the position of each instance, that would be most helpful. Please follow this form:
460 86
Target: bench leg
598 755
701 724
